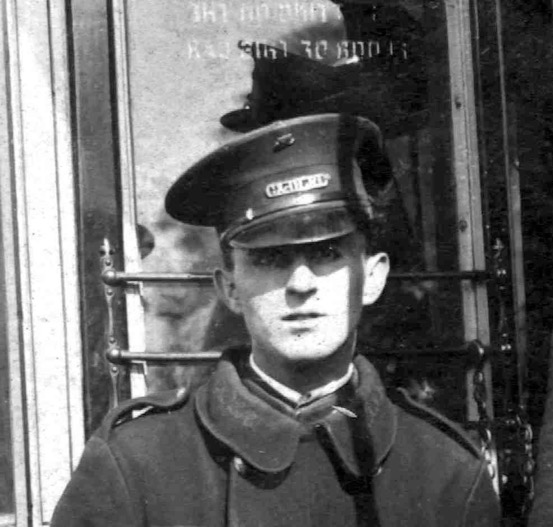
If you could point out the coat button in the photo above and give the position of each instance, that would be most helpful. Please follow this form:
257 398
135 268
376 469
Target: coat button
239 465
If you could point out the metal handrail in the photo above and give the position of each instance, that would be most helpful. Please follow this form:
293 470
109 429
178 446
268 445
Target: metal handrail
114 278
117 278
120 356
477 275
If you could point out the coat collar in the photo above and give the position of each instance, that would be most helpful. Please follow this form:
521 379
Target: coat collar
359 421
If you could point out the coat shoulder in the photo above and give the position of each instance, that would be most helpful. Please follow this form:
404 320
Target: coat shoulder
134 409
437 427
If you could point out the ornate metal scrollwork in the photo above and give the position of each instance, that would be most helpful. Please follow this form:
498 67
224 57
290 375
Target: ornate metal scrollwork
106 261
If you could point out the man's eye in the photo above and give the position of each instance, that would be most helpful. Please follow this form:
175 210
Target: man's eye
270 257
325 252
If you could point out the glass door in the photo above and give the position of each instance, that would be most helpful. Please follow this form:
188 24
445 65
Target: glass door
185 86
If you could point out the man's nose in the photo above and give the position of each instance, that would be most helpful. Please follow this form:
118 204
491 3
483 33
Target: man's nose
302 279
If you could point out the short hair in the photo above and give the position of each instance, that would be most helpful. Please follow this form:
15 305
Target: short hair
226 253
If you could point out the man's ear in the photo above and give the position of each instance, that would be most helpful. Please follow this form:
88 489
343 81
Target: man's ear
226 289
377 267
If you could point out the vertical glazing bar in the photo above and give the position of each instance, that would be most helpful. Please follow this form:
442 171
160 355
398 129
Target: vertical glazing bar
135 311
67 235
467 177
466 166
514 214
10 163
25 449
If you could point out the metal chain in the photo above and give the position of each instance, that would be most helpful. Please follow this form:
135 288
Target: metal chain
480 394
528 463
520 449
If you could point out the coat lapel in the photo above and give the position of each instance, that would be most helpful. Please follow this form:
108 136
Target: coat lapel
359 421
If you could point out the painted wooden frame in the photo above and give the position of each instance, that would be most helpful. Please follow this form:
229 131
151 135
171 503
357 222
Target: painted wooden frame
40 257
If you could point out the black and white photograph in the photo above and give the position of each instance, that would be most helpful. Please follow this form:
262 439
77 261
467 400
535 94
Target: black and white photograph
276 263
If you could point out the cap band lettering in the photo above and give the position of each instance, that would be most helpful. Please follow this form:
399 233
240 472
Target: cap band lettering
297 184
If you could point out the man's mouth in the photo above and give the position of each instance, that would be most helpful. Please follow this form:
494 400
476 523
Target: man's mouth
292 317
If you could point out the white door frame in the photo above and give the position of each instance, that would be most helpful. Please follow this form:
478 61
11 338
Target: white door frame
39 237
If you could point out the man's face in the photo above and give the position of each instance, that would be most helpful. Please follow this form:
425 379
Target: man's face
301 303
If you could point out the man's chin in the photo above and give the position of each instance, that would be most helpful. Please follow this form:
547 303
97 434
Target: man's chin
303 356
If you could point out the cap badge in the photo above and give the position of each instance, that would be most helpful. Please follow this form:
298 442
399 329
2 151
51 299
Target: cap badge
283 141
297 184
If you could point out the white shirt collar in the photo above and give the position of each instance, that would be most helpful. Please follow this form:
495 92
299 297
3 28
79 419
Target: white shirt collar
295 397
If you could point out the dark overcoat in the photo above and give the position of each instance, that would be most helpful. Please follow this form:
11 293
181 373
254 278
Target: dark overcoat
234 454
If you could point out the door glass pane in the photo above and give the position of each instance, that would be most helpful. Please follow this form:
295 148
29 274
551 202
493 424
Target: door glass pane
191 63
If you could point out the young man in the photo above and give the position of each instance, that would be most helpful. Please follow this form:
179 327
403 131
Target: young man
294 429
